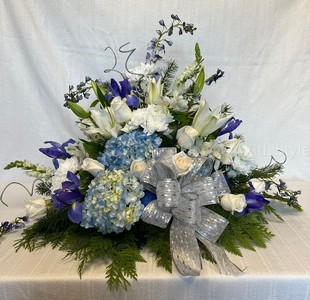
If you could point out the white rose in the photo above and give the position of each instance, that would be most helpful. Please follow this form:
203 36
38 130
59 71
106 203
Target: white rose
259 185
186 137
182 163
122 112
92 166
35 207
231 202
138 167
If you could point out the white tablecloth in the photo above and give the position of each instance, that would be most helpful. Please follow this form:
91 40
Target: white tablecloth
281 271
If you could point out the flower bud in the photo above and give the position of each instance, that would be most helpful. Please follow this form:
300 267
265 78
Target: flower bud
182 163
122 112
138 167
231 202
186 137
92 166
35 207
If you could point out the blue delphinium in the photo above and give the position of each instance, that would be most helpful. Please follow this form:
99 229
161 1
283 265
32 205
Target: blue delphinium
112 203
122 150
6 227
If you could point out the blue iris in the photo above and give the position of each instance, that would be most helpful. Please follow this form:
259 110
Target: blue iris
147 198
229 126
123 90
255 202
69 195
57 151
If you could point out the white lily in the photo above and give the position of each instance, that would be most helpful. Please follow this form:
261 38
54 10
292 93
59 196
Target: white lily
105 121
207 121
154 90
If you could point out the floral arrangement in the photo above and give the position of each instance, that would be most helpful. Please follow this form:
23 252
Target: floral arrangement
157 168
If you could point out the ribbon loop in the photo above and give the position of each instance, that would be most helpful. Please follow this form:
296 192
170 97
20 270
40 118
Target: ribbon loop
167 192
188 210
183 199
153 215
212 225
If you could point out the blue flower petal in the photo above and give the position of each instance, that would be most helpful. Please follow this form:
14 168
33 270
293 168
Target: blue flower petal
114 87
75 212
126 88
147 198
69 197
72 177
132 101
229 126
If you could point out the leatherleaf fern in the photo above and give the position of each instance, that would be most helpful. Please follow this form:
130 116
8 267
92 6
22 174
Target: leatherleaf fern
88 245
123 250
247 231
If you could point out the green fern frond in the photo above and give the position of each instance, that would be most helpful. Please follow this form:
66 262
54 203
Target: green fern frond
168 75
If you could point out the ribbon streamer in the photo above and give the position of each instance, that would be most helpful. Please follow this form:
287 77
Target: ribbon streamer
183 199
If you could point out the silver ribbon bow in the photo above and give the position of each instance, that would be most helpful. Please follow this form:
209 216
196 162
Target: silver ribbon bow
183 199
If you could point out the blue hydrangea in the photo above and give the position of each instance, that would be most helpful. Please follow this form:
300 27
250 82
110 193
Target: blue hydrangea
122 150
112 202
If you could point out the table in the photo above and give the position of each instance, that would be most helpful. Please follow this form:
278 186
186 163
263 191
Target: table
281 271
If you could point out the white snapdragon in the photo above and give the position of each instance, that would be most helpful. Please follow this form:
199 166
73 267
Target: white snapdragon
187 73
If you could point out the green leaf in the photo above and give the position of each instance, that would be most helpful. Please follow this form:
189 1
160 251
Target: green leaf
85 180
182 118
92 148
99 92
270 210
78 110
199 83
94 103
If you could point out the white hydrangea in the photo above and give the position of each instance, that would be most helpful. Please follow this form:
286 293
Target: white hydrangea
144 70
243 161
153 118
70 164
233 153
